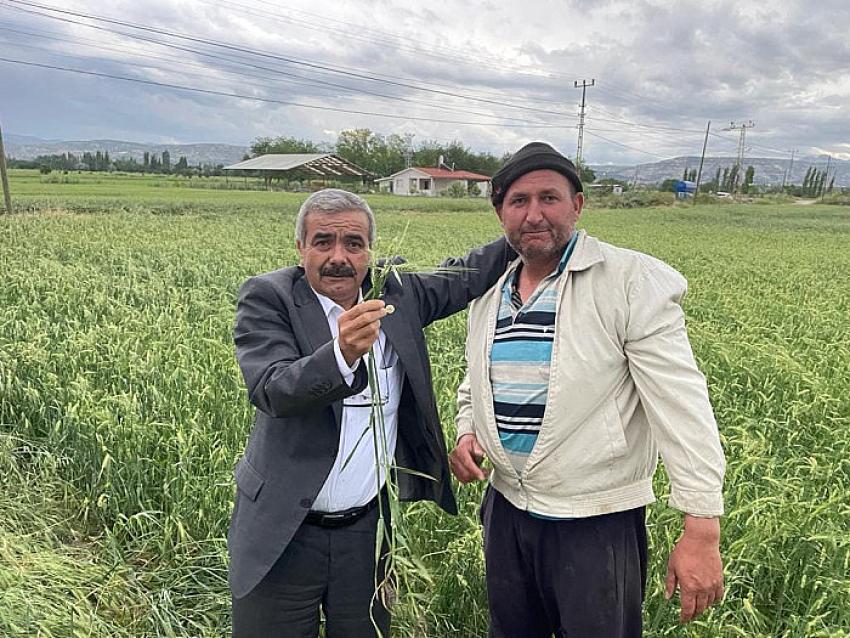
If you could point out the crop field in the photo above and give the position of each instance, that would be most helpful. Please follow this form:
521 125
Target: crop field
122 411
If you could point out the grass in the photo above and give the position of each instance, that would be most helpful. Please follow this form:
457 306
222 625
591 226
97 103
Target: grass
122 410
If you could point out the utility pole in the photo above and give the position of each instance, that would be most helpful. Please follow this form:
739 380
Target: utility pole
825 177
3 177
741 146
408 149
583 87
701 160
788 169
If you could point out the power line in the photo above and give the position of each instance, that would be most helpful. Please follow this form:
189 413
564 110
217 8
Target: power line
264 99
633 148
290 77
258 53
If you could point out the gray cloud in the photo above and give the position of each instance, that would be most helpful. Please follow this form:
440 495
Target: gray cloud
658 65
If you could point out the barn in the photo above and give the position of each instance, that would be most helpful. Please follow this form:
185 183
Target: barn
301 166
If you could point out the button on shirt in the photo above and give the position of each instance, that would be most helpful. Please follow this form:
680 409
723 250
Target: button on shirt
355 484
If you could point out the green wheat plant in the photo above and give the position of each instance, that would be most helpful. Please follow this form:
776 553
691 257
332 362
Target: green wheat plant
123 410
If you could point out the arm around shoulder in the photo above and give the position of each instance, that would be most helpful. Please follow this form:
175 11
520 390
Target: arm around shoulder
464 278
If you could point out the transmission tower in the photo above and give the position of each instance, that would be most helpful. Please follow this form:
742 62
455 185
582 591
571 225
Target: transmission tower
583 87
741 146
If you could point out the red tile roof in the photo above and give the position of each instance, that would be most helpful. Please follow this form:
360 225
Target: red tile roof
445 173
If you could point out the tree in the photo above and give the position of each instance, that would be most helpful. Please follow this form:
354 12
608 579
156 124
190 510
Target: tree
282 145
182 166
166 162
669 185
807 180
372 151
717 179
455 189
819 181
748 179
456 154
585 173
733 178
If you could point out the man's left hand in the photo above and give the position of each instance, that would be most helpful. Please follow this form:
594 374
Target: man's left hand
695 566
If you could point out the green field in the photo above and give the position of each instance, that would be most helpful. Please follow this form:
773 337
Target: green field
122 412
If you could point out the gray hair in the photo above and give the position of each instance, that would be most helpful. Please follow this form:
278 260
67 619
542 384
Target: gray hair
329 201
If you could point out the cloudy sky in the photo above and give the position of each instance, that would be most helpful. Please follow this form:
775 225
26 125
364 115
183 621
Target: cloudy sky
491 74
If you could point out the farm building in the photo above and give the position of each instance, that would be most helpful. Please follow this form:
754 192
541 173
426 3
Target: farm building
300 166
432 181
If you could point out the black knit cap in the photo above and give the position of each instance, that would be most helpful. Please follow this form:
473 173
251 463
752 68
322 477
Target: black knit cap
534 156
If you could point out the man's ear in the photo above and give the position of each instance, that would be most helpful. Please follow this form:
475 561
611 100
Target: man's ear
578 203
300 250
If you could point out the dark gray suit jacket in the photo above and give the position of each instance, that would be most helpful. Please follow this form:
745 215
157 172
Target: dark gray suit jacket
285 351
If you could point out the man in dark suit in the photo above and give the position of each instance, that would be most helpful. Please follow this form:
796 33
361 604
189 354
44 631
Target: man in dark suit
302 535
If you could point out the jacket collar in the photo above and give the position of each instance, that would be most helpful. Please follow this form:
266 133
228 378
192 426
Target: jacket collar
586 253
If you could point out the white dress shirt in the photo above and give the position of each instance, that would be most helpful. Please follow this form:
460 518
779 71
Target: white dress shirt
356 483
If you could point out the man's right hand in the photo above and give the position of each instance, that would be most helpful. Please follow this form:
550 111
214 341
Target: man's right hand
358 329
466 459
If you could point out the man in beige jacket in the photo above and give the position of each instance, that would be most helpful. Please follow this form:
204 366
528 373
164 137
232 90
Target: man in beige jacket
579 374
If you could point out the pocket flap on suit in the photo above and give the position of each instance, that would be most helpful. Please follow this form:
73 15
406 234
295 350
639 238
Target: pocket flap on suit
248 480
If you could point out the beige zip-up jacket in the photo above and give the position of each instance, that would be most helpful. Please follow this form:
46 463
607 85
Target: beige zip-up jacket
623 386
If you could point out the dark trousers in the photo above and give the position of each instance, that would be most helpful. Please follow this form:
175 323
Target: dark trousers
331 568
579 578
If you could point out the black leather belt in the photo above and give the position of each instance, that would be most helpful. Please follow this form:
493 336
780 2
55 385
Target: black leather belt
341 518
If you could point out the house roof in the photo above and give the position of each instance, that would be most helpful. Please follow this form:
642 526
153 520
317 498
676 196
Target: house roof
446 173
441 173
321 164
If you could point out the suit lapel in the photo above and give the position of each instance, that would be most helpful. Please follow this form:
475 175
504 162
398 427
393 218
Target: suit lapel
317 331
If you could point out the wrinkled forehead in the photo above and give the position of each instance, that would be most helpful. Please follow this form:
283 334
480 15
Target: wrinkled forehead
345 223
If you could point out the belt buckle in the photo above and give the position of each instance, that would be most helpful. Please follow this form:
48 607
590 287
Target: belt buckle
336 517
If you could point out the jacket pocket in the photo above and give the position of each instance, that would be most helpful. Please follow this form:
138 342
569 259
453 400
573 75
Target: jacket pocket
614 427
248 480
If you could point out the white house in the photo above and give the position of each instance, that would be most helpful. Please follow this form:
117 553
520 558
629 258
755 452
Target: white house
431 181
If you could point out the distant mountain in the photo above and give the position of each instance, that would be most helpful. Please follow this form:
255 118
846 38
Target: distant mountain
25 147
769 171
9 139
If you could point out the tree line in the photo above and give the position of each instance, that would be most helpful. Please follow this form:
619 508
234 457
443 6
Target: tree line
101 161
386 154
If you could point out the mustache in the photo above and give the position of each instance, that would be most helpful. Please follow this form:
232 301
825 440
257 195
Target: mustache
340 270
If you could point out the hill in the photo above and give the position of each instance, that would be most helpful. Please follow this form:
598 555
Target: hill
26 147
769 171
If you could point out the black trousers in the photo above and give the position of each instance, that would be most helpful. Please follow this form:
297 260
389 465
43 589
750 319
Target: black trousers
579 578
328 568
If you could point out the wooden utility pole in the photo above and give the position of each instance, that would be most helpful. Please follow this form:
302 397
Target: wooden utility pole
701 160
3 177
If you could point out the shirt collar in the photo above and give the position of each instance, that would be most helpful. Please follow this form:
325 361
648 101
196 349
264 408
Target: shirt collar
559 269
329 305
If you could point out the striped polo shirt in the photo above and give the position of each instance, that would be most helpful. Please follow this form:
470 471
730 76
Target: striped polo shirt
520 358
